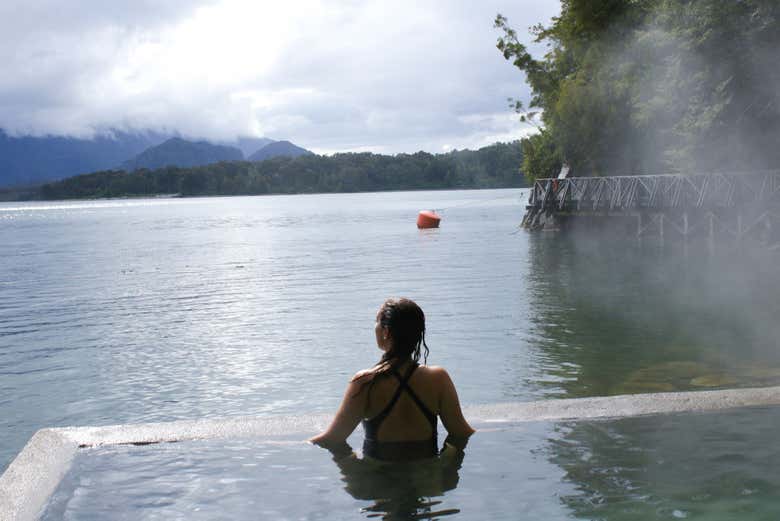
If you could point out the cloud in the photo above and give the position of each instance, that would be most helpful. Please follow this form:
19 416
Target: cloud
331 76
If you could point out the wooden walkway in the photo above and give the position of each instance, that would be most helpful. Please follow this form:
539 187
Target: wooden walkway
739 205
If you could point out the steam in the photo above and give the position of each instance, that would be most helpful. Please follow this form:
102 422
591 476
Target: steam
685 89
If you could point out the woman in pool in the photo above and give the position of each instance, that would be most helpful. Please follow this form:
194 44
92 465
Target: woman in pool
397 399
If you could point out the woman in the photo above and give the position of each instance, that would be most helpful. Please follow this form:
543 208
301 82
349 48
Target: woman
398 399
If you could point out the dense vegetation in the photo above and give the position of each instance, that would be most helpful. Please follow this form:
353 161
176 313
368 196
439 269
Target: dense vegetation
495 166
652 86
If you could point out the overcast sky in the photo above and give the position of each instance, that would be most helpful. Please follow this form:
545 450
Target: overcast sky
384 76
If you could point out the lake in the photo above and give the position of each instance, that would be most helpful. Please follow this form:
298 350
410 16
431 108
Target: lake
159 309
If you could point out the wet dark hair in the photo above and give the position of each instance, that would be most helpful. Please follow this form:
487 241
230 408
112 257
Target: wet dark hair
406 323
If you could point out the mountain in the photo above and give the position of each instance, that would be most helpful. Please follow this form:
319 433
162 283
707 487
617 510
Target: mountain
182 153
31 160
28 160
249 145
276 149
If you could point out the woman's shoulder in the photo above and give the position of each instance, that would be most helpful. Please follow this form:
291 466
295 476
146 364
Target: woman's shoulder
433 371
364 375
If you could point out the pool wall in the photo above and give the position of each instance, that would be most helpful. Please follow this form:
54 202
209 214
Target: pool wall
32 477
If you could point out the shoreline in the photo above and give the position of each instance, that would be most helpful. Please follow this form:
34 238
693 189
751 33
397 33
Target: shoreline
211 196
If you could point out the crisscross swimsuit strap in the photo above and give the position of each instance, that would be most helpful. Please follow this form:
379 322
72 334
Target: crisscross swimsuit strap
372 425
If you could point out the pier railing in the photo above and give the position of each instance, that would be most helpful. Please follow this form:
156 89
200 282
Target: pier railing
655 192
739 205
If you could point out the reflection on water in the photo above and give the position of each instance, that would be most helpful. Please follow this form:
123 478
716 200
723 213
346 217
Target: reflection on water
401 491
703 466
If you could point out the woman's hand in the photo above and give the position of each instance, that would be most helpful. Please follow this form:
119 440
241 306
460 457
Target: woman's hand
349 414
449 408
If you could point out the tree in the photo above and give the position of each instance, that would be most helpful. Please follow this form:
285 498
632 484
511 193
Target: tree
649 86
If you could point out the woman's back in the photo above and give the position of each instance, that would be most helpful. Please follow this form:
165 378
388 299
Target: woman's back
413 414
396 431
398 400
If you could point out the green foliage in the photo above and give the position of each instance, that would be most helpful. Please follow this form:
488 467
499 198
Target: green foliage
540 155
649 86
495 166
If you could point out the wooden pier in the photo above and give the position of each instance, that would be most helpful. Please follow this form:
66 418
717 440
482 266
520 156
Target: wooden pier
738 206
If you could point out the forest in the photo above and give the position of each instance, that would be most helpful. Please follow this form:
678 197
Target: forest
494 166
651 86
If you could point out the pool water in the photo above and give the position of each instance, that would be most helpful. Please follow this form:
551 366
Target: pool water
687 466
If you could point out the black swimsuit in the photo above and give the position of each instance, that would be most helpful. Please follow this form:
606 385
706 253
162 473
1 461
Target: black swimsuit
400 450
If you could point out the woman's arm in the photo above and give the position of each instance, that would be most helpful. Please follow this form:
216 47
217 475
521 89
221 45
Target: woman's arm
458 429
348 416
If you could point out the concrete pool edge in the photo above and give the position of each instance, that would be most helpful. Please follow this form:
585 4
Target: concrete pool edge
35 473
625 405
185 430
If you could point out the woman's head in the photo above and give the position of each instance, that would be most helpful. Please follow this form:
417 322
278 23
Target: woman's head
401 330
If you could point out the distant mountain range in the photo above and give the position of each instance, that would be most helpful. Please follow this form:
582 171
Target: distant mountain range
494 166
32 160
179 152
248 145
27 160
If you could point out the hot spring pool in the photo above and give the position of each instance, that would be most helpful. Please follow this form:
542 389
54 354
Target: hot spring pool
716 465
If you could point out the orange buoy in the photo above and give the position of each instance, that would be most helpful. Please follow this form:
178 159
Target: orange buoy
428 219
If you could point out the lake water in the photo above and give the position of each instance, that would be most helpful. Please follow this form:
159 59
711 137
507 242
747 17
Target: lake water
163 309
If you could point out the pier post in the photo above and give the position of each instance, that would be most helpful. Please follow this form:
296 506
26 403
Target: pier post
767 229
739 227
639 224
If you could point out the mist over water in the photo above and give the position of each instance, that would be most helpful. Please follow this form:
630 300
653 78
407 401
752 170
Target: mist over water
708 95
154 310
668 316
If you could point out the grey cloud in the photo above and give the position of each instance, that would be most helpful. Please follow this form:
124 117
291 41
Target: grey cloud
394 78
55 52
19 18
444 69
